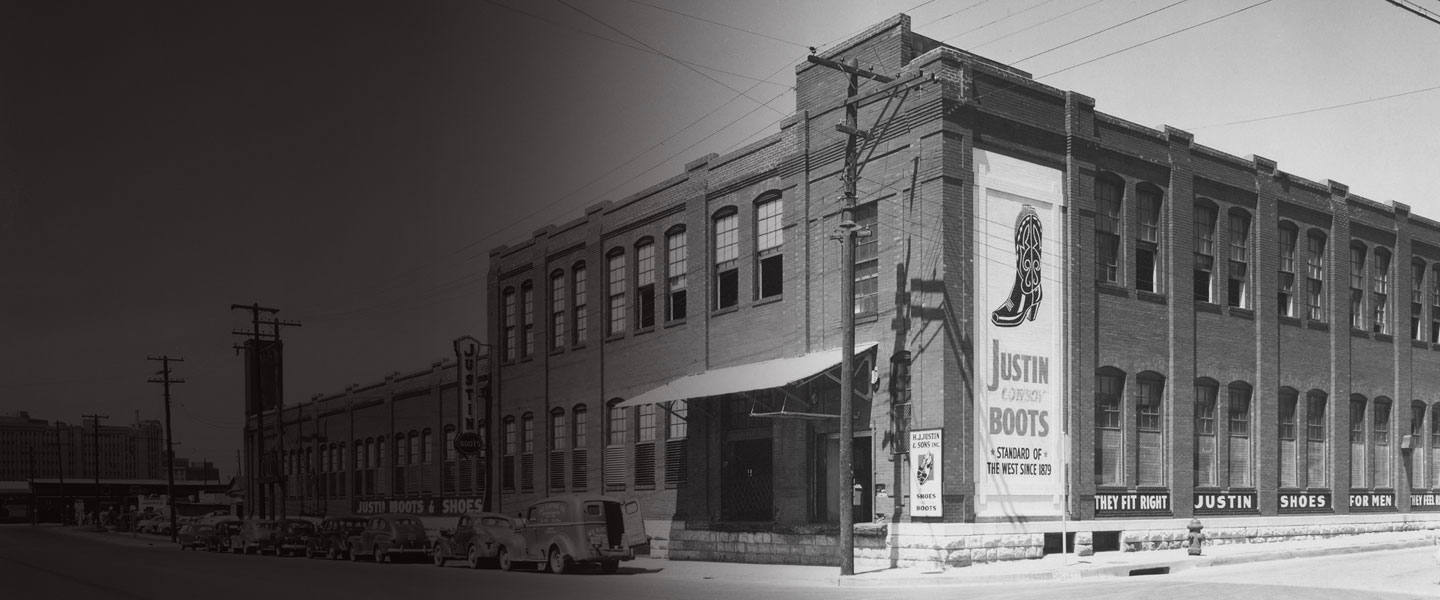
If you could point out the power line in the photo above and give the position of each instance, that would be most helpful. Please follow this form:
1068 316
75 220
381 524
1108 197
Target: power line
1083 38
1017 32
1417 9
727 26
952 14
1011 15
1323 108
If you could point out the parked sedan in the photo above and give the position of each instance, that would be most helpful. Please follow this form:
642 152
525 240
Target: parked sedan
335 536
196 536
260 535
293 535
227 535
477 539
387 537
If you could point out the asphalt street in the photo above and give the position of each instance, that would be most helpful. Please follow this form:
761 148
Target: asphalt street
48 563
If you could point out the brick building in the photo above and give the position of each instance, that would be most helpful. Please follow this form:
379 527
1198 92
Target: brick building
133 451
1220 338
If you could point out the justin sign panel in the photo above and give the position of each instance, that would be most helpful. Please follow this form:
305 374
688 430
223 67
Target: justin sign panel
1019 337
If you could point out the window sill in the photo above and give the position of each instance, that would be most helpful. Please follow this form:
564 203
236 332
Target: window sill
644 488
1419 344
866 318
1318 325
1209 307
1359 333
1112 289
675 323
1243 313
1384 337
556 351
770 300
724 311
613 337
643 331
1151 297
579 346
1291 321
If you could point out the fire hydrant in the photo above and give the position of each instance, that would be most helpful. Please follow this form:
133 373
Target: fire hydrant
1196 537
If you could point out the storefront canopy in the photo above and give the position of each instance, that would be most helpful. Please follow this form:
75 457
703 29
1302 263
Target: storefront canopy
745 378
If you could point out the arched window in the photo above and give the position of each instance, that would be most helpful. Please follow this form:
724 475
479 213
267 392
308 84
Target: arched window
508 318
1380 419
1435 445
616 288
645 283
427 447
676 256
616 452
1286 286
1206 430
511 446
769 245
450 452
1149 428
360 455
557 309
1109 455
577 305
527 319
1147 238
414 448
727 258
1380 292
558 440
1417 443
579 453
372 458
677 447
1109 199
1242 463
1435 303
1357 441
402 450
381 458
1357 285
645 446
1289 457
1315 275
1205 213
1239 288
1317 470
1417 299
558 437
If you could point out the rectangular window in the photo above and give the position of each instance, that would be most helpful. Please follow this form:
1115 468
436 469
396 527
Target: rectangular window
769 239
558 436
1417 301
512 349
1357 287
676 255
727 261
1380 292
1286 286
1239 290
1108 451
1241 468
867 259
527 299
1357 444
617 294
1317 475
1149 438
557 311
1381 463
619 427
1107 230
578 281
645 285
1315 278
1147 245
1204 253
1287 432
1205 454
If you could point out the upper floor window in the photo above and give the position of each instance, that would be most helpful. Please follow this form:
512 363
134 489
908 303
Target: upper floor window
769 239
1108 193
527 303
727 260
509 317
1204 252
1286 287
867 258
645 284
557 310
1315 276
1417 299
1357 285
1147 242
676 256
1239 289
577 280
617 292
1380 292
1435 304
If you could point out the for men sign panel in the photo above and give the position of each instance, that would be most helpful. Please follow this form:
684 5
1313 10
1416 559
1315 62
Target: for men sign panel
1019 335
926 458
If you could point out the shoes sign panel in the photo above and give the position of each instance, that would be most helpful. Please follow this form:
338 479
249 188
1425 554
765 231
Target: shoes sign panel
1019 296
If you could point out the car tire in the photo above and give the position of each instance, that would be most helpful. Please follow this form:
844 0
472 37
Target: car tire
437 556
379 556
559 562
352 555
472 556
503 557
609 566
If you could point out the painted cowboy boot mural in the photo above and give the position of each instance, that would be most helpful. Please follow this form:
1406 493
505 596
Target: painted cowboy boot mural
1024 300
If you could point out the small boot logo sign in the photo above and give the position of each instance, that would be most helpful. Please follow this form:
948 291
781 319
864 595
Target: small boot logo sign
926 468
1024 300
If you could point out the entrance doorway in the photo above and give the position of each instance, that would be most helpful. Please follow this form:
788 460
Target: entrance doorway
745 482
827 492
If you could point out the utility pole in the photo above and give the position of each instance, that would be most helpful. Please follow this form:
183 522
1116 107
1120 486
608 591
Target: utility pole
255 491
169 437
34 498
847 232
95 443
60 459
280 409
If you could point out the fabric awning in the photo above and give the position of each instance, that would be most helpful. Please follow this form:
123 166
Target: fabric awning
745 378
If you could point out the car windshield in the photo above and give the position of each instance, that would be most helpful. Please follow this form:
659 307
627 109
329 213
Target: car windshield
301 527
265 526
408 525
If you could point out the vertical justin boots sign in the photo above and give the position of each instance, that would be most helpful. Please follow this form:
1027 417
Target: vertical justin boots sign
1019 301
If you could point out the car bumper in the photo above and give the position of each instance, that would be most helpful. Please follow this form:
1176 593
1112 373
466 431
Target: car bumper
395 550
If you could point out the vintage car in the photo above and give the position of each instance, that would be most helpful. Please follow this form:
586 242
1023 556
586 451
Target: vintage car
477 539
196 536
227 535
334 536
259 535
564 531
387 537
294 535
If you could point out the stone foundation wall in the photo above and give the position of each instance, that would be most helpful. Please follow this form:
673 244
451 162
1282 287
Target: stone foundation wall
751 547
1144 540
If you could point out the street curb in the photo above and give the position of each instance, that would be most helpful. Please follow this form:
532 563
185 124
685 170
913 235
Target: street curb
1121 570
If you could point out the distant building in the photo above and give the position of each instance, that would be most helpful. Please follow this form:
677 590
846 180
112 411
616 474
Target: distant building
62 450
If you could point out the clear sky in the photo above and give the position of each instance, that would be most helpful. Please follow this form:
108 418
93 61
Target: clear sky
353 163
